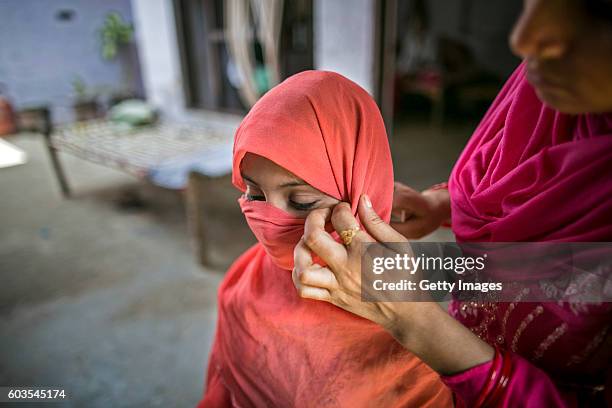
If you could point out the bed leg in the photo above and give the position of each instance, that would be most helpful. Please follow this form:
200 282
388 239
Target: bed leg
55 161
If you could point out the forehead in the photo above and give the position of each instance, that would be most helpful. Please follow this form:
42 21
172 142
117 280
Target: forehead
262 170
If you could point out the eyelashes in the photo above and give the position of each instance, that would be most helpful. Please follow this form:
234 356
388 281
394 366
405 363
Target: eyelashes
303 206
250 197
294 204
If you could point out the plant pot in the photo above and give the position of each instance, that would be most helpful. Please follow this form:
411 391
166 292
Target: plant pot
117 98
86 110
34 118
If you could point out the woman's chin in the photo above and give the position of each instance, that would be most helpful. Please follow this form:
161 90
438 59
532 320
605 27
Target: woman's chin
561 101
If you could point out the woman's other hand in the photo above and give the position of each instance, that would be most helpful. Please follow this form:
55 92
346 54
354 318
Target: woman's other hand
417 214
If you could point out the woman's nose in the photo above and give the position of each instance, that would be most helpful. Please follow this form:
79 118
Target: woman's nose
540 31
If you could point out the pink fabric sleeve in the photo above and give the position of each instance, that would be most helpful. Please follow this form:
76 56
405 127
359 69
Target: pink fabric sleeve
528 387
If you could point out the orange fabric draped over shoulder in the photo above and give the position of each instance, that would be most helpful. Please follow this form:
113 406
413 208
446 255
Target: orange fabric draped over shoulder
273 348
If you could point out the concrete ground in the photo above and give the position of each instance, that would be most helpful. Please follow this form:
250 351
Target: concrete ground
104 298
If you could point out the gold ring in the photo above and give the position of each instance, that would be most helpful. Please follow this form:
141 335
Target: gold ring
348 235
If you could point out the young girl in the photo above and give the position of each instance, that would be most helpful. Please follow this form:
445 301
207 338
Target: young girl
311 142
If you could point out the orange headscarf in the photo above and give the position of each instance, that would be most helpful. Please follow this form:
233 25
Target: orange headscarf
273 348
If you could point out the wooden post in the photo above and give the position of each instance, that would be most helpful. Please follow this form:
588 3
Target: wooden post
47 130
218 229
195 216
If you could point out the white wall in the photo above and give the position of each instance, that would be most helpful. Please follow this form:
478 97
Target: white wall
344 39
159 56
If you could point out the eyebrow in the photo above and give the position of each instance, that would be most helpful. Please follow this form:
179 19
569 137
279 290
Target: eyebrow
283 185
294 183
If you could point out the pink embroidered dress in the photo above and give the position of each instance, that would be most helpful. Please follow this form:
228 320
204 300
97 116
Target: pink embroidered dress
530 173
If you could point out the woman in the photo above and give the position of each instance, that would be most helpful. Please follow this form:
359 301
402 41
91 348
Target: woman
538 168
312 141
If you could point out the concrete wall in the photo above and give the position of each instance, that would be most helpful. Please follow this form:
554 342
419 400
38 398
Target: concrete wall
159 56
344 39
41 55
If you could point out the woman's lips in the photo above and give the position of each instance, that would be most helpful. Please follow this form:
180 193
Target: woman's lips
540 81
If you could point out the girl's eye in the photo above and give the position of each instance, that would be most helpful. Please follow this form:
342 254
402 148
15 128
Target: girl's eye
303 206
253 194
250 197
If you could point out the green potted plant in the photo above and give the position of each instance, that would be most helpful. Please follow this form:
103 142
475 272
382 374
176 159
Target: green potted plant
116 36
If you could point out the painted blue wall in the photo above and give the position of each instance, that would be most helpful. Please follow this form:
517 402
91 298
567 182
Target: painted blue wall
41 55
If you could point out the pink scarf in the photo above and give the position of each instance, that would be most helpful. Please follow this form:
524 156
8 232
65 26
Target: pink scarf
530 173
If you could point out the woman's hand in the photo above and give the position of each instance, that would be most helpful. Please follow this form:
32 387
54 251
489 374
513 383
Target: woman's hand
343 286
419 213
422 327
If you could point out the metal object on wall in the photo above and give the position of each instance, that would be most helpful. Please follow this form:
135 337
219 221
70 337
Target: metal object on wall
266 17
